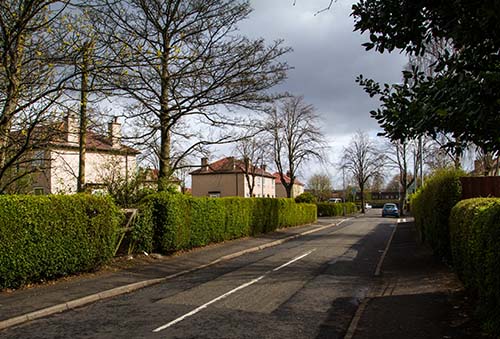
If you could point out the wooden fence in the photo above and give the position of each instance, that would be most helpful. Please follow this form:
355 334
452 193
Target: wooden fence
474 187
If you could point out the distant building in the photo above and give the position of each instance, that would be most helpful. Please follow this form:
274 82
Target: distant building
57 161
226 178
297 188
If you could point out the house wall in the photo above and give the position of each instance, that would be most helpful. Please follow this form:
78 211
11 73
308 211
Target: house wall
264 187
281 191
228 185
231 185
99 168
297 190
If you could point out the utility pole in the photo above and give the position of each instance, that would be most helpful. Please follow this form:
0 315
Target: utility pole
343 191
421 153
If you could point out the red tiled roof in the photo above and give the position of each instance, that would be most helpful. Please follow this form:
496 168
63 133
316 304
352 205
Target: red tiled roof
99 142
277 179
55 136
153 173
230 165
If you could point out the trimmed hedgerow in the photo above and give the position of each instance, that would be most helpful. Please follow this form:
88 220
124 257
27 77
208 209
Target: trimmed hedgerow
474 239
306 197
45 237
183 222
328 209
238 217
431 207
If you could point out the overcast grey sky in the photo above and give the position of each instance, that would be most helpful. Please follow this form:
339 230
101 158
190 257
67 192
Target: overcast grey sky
327 58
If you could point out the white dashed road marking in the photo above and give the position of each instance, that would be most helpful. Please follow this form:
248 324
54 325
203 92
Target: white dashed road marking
198 309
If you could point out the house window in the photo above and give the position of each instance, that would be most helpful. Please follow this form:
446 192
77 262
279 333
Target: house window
38 159
214 194
38 191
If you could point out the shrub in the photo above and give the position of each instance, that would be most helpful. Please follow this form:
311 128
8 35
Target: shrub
306 197
431 207
327 209
45 237
182 222
474 239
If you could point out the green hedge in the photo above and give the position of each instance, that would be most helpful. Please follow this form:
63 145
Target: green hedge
174 221
475 239
431 207
45 237
328 209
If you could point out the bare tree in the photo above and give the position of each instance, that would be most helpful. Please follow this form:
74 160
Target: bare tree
377 182
181 61
296 138
88 53
485 163
398 156
437 155
363 160
320 186
254 153
30 82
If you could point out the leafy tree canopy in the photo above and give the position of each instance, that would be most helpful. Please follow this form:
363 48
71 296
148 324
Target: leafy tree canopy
462 96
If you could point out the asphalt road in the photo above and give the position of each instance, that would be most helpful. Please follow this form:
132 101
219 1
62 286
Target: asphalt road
306 288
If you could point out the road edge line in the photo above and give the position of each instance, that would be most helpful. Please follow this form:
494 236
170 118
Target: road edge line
361 308
378 269
121 290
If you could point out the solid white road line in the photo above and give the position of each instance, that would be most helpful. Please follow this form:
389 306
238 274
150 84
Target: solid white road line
378 269
198 309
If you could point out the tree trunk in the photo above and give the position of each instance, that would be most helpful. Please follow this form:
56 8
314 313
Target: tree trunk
165 169
165 136
362 193
82 149
288 189
14 65
402 198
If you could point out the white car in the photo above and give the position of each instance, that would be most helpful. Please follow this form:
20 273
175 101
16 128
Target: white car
368 206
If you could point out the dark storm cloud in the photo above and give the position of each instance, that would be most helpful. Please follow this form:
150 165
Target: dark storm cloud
327 58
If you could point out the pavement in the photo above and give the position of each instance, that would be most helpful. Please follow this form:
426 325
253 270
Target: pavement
413 295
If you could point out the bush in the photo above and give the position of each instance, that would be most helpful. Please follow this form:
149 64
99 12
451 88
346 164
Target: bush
431 207
45 237
306 197
474 239
327 209
182 222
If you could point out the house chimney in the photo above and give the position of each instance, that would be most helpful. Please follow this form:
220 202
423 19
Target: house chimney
204 164
71 128
115 132
264 167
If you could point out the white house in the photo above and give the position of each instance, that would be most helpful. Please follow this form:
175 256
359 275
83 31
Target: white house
106 158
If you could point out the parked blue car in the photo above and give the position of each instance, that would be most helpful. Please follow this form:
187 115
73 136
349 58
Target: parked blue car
390 209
